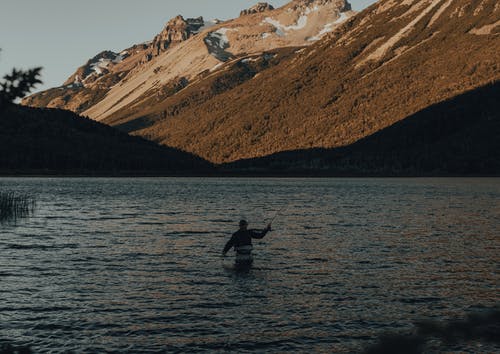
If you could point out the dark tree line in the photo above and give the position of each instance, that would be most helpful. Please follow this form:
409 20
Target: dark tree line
55 141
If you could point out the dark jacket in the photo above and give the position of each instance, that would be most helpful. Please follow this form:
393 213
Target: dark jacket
243 238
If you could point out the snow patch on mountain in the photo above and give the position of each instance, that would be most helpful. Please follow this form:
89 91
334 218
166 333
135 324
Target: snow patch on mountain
217 42
100 65
313 9
77 83
329 27
103 63
282 29
217 66
221 37
248 60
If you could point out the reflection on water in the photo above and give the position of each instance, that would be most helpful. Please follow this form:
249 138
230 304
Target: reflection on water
134 264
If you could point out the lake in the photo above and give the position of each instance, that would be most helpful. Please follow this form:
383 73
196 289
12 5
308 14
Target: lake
134 264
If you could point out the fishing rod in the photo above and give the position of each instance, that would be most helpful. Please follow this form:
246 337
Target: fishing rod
283 208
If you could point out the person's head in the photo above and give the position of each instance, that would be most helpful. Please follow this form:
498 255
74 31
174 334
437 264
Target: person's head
243 224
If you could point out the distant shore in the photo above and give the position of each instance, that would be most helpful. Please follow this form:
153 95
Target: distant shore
233 174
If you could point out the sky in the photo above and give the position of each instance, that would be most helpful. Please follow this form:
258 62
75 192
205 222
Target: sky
61 35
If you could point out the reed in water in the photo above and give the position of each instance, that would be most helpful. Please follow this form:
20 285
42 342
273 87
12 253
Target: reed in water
14 206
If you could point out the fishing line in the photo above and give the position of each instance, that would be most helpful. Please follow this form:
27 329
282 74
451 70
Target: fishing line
283 208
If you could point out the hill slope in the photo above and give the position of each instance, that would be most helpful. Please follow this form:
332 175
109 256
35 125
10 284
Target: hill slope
379 67
455 137
53 141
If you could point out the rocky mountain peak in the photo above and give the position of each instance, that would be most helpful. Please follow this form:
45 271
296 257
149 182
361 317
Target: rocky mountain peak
175 31
342 5
96 67
259 7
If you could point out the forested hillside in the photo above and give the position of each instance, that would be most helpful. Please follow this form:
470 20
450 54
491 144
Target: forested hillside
41 141
459 136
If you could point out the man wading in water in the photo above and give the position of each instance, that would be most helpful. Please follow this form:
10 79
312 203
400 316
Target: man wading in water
242 243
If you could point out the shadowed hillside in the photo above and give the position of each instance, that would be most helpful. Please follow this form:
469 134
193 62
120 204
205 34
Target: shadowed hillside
454 137
43 141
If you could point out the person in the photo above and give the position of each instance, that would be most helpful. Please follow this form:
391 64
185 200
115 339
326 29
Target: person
241 240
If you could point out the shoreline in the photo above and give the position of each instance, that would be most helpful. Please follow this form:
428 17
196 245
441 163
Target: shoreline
312 175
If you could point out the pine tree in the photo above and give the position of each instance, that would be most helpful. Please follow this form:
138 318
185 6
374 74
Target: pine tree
18 84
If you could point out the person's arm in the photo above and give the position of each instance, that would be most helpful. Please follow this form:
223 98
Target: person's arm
261 234
228 245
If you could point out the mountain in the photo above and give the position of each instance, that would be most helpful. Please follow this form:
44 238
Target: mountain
379 67
53 141
324 85
185 52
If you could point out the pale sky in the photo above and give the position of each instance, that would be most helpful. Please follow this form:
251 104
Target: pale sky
61 35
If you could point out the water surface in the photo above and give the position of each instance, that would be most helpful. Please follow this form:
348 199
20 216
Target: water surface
134 264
